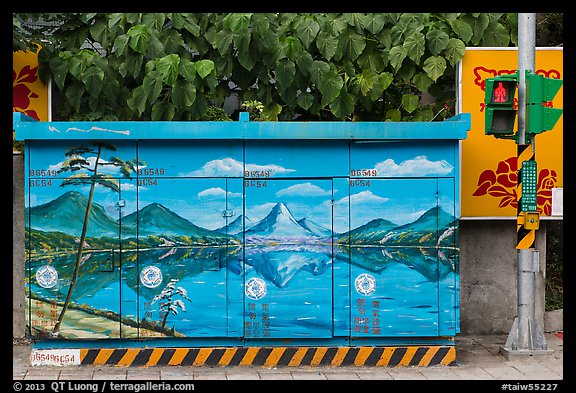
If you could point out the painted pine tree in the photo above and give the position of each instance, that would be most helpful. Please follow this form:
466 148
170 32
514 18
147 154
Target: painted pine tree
84 162
169 305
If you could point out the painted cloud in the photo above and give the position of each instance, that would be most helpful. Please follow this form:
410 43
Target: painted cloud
229 167
304 189
362 197
418 166
216 192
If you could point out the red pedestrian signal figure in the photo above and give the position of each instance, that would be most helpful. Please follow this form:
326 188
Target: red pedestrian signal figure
500 111
500 93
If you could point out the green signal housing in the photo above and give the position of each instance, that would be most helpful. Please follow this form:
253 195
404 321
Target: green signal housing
540 91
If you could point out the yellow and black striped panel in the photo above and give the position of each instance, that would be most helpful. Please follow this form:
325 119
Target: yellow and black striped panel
273 356
525 238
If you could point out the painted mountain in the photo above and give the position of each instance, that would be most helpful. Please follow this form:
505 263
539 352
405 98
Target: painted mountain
316 229
65 214
369 233
433 228
237 226
427 230
156 219
279 246
280 225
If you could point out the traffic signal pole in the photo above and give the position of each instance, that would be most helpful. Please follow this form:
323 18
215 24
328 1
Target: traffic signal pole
527 334
526 61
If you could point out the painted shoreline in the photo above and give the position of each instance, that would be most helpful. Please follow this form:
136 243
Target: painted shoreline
86 322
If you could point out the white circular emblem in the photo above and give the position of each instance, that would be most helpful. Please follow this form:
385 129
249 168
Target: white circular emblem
47 276
255 288
151 277
365 284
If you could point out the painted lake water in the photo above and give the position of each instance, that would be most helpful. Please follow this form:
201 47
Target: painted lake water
263 291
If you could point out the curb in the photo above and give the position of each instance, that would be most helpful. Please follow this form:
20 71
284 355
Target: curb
250 356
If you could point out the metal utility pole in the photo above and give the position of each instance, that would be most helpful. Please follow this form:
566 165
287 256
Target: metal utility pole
527 334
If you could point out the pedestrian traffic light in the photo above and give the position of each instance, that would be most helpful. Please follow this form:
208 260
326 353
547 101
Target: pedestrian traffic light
500 112
540 91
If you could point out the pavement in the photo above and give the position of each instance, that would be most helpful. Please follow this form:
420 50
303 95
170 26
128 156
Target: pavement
477 357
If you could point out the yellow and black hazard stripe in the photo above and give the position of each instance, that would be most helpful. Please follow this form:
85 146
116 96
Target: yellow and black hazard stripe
273 356
526 238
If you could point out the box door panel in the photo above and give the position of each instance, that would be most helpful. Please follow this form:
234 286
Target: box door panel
181 266
73 285
288 258
393 254
56 226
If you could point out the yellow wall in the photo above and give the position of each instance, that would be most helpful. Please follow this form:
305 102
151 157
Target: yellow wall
29 94
489 164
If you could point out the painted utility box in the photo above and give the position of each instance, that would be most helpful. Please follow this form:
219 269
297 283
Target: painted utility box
242 233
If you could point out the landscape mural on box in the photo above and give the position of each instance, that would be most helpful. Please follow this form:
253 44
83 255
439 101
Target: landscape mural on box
207 252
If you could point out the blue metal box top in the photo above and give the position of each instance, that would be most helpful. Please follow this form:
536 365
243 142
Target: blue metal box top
27 128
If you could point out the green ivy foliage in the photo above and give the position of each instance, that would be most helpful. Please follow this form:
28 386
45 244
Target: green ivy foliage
175 66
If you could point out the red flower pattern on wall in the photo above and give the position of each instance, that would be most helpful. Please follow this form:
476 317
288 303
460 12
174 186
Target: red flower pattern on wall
21 94
502 184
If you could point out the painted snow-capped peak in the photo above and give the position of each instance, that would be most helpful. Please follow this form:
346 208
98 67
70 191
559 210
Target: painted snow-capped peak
279 222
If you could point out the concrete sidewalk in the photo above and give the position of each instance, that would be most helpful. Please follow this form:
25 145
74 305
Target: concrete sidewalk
477 358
